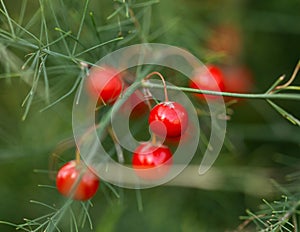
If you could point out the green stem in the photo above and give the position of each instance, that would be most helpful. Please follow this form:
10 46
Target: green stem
279 96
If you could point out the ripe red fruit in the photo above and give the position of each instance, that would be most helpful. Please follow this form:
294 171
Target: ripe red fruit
147 156
104 84
77 181
168 119
208 79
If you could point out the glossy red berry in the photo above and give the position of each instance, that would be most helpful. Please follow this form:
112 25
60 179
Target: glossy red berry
105 84
77 181
151 162
208 79
168 119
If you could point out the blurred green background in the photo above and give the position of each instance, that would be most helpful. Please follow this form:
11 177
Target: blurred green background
258 138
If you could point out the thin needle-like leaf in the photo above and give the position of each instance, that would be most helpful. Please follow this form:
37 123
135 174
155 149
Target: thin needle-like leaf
9 20
58 26
86 215
99 45
64 96
80 26
46 82
115 13
43 204
69 34
145 4
22 14
95 26
73 219
284 113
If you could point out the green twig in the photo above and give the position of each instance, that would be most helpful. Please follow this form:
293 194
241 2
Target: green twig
148 84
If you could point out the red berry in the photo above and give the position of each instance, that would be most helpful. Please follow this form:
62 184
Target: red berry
148 156
105 84
208 79
77 181
168 119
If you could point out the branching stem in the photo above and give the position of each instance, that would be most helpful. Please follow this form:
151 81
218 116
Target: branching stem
291 79
279 96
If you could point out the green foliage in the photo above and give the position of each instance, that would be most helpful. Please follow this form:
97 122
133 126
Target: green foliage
46 47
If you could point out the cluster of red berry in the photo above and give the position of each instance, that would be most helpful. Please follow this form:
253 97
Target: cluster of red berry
151 159
167 120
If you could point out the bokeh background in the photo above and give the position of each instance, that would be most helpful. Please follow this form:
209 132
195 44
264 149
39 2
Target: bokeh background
262 36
